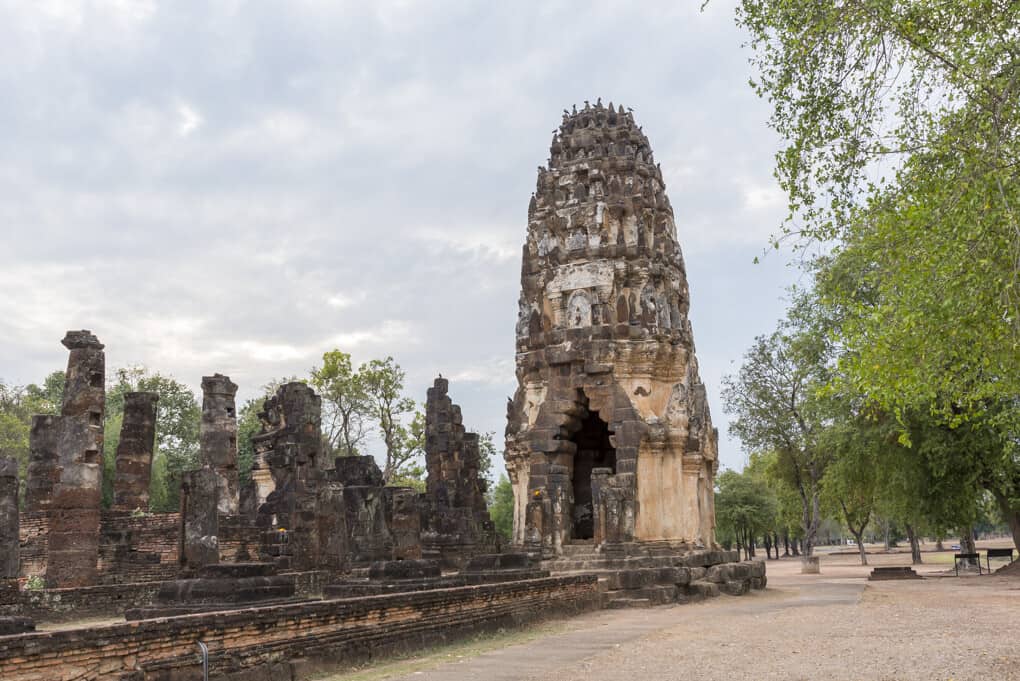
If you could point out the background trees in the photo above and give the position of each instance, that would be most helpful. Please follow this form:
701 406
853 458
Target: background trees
900 165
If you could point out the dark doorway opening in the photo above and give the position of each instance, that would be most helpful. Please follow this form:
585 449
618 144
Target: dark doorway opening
594 450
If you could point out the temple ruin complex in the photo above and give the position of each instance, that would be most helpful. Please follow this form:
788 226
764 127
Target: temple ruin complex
609 446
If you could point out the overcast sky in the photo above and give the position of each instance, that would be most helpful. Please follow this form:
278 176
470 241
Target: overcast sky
238 187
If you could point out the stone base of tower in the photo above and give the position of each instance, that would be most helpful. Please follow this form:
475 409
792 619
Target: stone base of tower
643 574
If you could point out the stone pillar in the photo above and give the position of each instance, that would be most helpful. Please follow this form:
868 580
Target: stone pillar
42 463
218 437
85 382
10 563
73 539
200 525
134 452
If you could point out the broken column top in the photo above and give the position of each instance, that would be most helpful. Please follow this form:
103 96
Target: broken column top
218 384
141 398
76 340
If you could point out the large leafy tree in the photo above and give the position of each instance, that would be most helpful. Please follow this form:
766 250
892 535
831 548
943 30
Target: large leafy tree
745 509
346 404
776 398
384 386
901 122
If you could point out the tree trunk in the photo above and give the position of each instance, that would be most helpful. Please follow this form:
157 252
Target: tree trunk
915 546
938 544
1011 515
859 537
786 542
967 544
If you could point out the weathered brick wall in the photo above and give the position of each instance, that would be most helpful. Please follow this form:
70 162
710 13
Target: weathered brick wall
136 548
54 605
33 530
111 600
286 637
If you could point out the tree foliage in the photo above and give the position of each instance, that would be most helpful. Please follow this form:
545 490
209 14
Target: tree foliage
346 405
745 508
901 156
501 507
777 400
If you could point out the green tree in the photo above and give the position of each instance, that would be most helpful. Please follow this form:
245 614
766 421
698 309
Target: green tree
849 487
346 404
409 469
487 454
745 509
501 507
777 400
17 406
902 154
384 385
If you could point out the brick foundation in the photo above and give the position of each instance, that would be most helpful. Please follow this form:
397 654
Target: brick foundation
288 641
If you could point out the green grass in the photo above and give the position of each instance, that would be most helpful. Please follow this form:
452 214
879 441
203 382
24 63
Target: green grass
429 658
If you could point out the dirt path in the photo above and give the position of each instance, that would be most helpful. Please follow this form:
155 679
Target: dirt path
835 626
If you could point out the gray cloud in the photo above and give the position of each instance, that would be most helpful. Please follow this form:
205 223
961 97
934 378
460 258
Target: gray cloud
239 188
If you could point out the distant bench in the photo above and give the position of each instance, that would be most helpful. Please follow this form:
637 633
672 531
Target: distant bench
968 557
998 553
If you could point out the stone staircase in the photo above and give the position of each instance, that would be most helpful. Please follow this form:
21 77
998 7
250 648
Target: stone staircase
658 575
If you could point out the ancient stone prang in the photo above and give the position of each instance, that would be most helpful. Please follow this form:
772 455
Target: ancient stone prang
609 438
455 521
218 437
134 452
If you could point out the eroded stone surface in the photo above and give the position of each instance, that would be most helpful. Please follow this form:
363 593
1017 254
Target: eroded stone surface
289 446
200 493
609 437
218 437
455 521
134 452
10 561
76 494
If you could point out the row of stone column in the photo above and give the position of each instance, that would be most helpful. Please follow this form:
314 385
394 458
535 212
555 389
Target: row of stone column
65 465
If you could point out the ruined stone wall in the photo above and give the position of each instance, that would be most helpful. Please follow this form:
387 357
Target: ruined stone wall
455 520
137 548
604 342
289 445
244 640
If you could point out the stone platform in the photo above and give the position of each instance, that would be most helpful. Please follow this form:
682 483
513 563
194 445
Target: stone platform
636 576
400 576
220 586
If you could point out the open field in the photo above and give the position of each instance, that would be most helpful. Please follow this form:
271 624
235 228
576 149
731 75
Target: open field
831 626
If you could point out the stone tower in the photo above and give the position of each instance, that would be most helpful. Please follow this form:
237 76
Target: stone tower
609 437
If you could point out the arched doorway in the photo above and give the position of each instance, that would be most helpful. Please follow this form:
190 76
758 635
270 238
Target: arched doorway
594 450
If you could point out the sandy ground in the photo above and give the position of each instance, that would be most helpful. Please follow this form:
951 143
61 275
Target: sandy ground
830 626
